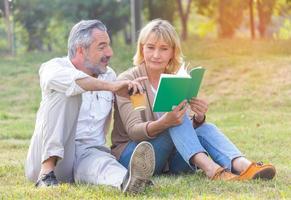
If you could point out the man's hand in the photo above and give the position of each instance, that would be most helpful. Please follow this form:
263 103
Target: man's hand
174 117
200 107
122 88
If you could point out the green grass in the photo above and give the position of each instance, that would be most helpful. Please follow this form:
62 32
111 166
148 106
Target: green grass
247 85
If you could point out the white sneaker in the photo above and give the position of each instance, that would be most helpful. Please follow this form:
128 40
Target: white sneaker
141 168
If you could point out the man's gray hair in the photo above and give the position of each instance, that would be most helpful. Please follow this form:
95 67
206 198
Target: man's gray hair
81 35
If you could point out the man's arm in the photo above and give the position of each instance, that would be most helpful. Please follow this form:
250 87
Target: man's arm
121 88
93 84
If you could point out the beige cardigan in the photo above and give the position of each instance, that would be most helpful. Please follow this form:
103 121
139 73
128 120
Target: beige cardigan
129 124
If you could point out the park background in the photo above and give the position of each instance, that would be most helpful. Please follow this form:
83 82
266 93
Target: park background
245 45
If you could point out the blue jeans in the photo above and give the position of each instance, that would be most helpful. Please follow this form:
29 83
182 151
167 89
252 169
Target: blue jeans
178 144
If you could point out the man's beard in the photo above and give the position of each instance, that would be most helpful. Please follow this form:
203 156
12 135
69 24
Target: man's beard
95 69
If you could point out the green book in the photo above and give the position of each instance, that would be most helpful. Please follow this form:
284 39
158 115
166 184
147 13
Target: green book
173 89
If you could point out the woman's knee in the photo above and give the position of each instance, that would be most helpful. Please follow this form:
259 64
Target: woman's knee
207 128
163 147
162 143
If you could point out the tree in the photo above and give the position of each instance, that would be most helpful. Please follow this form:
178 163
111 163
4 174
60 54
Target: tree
252 24
230 16
115 14
34 16
184 17
5 7
160 9
265 10
135 12
228 13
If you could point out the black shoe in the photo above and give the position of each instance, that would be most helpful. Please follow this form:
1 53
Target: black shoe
140 170
149 183
47 180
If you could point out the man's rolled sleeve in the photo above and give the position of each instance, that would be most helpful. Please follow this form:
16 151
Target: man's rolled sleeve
61 79
74 88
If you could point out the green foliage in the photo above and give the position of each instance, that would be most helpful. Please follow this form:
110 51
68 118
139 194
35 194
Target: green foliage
3 42
228 13
206 7
154 9
34 16
282 8
201 26
48 23
57 34
115 14
21 38
284 31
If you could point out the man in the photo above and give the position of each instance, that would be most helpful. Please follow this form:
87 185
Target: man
94 163
51 153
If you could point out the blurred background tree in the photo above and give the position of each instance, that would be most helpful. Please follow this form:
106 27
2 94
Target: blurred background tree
265 10
160 9
41 25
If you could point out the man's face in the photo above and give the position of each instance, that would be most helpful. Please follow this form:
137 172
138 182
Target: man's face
97 56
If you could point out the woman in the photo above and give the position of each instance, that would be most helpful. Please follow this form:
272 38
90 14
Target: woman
181 144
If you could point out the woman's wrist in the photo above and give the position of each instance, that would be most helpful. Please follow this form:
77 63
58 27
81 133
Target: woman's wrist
198 121
154 128
199 118
162 123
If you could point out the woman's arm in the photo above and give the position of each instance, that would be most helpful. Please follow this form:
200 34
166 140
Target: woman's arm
169 119
133 123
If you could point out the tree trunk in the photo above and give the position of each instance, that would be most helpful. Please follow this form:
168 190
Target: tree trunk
230 16
265 9
126 35
151 8
136 7
9 27
262 19
184 17
225 19
252 24
35 42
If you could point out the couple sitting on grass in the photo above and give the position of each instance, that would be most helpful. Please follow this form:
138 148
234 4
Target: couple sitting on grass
68 143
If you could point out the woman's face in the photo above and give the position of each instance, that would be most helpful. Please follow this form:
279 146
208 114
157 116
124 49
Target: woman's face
157 53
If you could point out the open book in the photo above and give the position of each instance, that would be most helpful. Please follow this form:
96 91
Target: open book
173 89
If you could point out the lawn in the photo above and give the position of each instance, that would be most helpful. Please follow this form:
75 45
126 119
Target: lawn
247 85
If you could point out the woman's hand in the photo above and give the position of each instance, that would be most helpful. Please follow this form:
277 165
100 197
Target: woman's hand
199 107
174 117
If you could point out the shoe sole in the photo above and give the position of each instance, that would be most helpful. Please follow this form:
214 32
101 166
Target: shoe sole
141 167
267 173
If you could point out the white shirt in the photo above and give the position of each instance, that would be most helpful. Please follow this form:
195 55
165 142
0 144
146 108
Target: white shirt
158 114
57 117
59 75
95 114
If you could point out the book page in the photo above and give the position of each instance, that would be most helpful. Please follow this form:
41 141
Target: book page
182 71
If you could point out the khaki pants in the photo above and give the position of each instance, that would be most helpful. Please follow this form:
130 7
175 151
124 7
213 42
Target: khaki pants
54 135
95 165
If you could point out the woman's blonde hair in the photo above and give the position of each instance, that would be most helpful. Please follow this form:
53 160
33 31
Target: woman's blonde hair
161 29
